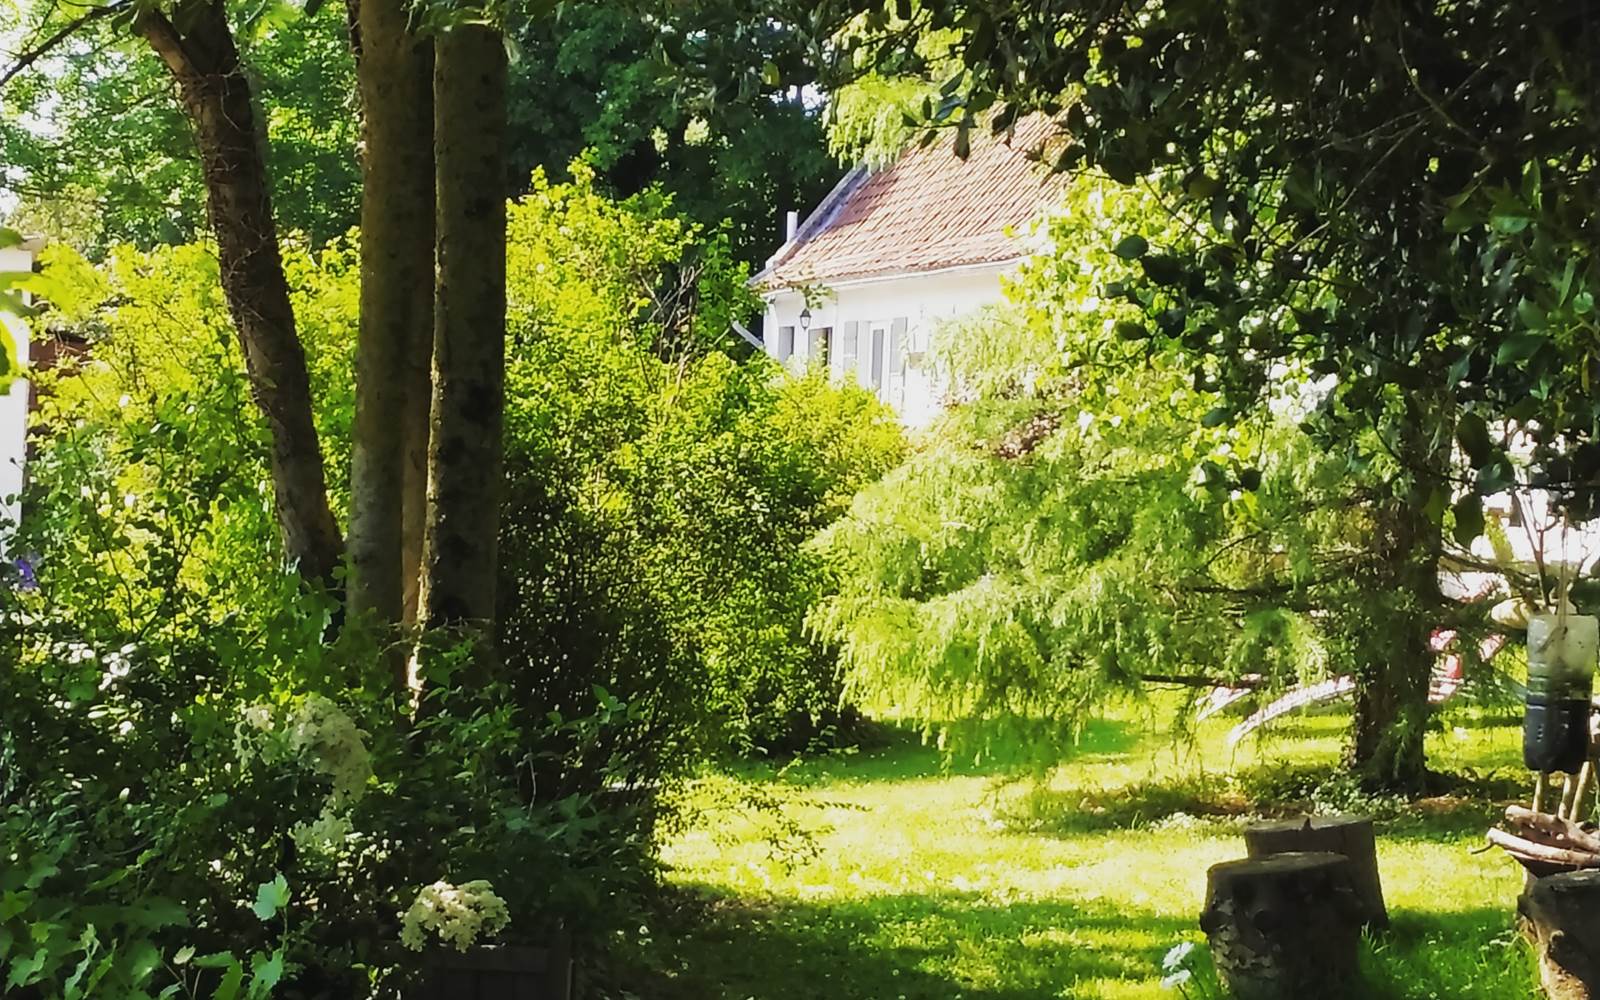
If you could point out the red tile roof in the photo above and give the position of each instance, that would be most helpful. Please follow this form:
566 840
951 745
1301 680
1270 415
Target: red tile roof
928 210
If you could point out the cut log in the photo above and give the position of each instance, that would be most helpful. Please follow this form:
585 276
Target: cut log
1285 926
1351 836
1558 914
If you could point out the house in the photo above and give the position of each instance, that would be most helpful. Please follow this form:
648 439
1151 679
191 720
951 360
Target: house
863 284
14 399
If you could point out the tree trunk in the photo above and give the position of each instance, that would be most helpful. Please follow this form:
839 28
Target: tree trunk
396 330
1285 927
464 449
1389 726
217 97
1557 914
1392 633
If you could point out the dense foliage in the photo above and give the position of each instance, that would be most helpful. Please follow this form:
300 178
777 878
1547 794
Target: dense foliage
224 784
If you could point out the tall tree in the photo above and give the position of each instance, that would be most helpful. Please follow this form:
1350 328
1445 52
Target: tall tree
461 538
204 61
393 394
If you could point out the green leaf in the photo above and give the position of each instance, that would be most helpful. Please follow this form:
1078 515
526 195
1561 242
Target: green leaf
1461 218
265 972
1469 518
1163 269
1519 347
1132 247
1438 503
1496 476
1530 314
1202 186
1127 329
1473 435
771 75
1564 285
271 897
1216 417
9 238
25 969
232 980
1509 224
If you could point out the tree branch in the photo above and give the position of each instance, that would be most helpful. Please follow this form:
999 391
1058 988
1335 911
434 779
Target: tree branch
33 55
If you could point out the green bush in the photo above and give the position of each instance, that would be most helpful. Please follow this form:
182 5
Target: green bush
209 788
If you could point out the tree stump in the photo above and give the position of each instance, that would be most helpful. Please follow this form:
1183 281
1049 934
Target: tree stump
1285 926
1351 836
1560 914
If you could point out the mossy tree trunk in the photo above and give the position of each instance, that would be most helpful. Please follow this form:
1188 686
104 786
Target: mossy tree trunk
460 543
216 95
1392 632
395 345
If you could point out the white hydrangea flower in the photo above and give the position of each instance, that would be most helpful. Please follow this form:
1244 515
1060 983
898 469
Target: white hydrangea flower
459 915
321 731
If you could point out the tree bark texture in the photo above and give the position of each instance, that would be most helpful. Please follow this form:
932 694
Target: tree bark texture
217 97
1389 724
1558 915
1351 836
460 543
1285 927
396 330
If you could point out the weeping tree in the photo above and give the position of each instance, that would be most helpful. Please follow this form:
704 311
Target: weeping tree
1400 198
1089 522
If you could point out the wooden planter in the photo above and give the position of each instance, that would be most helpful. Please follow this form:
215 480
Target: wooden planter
498 972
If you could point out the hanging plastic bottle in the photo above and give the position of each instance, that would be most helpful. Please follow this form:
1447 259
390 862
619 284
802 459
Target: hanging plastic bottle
1562 650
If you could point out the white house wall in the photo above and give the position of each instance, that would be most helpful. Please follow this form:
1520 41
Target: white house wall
13 407
920 301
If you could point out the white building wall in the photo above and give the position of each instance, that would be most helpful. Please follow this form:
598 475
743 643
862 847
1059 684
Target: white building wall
892 321
13 405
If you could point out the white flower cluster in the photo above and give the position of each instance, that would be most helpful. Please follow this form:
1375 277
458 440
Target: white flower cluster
324 737
459 914
322 732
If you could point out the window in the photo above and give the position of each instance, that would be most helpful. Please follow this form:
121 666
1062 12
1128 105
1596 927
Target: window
817 348
877 363
848 340
785 345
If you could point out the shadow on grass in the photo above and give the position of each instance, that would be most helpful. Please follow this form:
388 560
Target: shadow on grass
916 947
1457 804
892 752
707 946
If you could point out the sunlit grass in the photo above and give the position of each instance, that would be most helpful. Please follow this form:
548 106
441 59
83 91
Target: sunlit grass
927 880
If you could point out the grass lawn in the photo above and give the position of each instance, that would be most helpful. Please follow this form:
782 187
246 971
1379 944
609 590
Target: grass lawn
926 879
